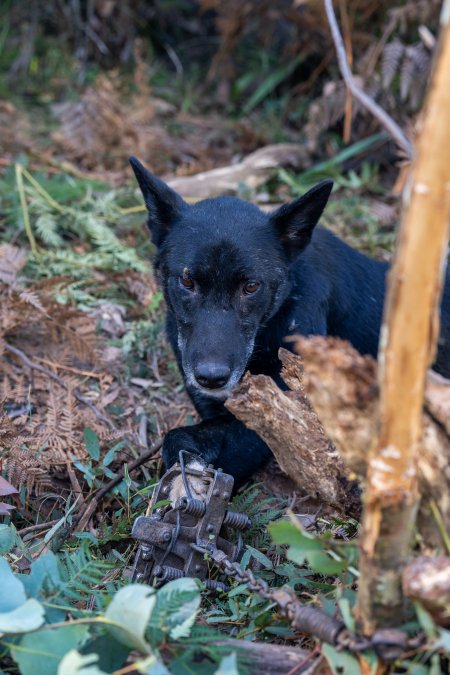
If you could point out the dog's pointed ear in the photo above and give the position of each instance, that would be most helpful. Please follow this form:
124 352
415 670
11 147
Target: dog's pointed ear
295 222
164 205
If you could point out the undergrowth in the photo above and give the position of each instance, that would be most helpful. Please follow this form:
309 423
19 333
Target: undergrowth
79 304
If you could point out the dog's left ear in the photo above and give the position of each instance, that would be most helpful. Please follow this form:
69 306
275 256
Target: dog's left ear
164 205
295 222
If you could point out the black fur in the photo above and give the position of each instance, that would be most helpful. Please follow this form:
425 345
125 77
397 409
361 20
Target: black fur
237 282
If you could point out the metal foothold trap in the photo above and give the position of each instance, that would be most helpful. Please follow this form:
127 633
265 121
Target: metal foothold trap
173 539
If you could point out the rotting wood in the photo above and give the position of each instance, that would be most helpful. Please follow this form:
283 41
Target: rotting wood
427 580
292 430
253 170
343 389
407 347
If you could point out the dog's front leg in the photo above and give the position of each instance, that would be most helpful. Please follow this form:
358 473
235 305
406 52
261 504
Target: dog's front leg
223 441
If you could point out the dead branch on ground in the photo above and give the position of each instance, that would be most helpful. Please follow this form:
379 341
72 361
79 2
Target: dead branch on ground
254 170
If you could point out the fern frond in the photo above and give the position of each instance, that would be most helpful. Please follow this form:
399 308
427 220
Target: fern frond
82 575
390 63
47 229
33 299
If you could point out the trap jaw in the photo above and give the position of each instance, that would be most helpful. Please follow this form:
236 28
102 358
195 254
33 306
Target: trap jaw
173 539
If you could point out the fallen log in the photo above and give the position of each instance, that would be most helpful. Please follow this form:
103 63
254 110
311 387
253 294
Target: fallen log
253 170
269 658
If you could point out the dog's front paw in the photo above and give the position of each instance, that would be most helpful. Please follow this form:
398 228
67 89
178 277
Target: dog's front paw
197 484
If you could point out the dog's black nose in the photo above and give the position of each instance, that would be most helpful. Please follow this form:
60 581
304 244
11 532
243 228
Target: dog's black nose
212 375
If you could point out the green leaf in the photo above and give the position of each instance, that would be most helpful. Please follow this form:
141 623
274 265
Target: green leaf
92 443
260 557
341 662
417 669
346 611
304 548
269 83
111 654
12 592
110 455
23 619
44 574
426 622
8 538
444 640
130 610
40 653
152 666
75 663
228 665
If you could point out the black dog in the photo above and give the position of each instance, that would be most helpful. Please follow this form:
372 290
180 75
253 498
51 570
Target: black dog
236 282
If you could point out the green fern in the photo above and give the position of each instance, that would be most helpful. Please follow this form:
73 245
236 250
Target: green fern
82 576
261 512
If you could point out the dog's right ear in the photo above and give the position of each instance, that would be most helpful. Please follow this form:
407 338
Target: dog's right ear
164 205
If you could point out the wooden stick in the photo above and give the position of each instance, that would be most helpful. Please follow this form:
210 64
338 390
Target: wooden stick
377 111
407 347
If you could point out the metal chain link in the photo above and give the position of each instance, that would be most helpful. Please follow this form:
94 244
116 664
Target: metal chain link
389 644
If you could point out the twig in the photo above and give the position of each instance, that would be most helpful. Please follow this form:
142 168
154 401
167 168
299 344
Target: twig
35 366
37 527
440 525
82 518
348 48
38 187
309 657
24 207
386 120
131 466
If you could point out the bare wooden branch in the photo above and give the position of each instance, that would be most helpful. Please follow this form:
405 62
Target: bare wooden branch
408 343
377 111
254 170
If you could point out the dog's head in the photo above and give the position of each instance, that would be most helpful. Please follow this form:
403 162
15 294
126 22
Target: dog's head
224 269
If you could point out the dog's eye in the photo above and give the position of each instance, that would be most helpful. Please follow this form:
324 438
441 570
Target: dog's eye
250 287
187 282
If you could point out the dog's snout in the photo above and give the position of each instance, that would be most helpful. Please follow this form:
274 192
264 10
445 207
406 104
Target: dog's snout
212 375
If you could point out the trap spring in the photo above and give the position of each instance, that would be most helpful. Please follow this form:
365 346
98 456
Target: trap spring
173 538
